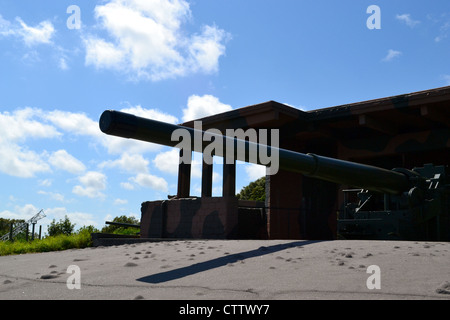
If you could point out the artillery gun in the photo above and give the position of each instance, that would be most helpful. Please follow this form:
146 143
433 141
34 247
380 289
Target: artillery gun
388 204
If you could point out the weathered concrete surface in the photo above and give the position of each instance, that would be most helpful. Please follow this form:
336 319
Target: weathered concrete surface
232 269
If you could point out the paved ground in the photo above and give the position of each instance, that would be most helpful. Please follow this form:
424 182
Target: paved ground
235 270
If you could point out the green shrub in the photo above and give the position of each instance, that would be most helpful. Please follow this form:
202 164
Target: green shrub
81 239
122 230
255 191
61 227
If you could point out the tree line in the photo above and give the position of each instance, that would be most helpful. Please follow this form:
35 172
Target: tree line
66 227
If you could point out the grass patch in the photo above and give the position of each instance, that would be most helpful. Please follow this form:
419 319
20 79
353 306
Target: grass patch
53 243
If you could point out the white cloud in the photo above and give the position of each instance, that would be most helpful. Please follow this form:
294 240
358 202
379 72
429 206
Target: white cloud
81 125
45 182
63 63
80 219
147 41
255 171
31 36
216 177
117 145
61 159
135 163
92 183
206 49
93 179
151 181
196 165
19 126
16 128
42 33
5 27
73 122
202 106
439 38
391 55
20 162
120 202
167 161
25 213
53 195
127 185
150 114
102 54
31 57
443 32
22 124
406 18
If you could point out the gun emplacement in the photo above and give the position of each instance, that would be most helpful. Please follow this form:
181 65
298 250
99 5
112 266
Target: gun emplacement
333 170
414 203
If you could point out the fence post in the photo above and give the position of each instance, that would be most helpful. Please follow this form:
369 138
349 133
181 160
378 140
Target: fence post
11 231
32 231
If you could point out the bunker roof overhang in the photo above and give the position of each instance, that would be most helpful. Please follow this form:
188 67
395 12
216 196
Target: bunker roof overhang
270 114
412 112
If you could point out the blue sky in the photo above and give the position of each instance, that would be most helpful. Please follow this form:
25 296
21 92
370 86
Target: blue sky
174 61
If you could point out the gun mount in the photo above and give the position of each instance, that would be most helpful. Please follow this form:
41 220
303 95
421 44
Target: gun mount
389 204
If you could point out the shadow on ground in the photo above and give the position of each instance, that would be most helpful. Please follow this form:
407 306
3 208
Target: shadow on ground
219 262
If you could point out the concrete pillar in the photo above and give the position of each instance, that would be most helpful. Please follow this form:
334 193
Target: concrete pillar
229 180
284 216
184 178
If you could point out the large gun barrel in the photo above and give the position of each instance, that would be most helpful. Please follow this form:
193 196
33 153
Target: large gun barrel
334 170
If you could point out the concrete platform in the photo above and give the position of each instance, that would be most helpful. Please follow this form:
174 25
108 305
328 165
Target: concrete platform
233 270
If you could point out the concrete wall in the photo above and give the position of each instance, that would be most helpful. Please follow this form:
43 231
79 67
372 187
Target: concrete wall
193 218
284 202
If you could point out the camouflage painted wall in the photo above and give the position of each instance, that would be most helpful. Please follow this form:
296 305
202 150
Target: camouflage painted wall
194 218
